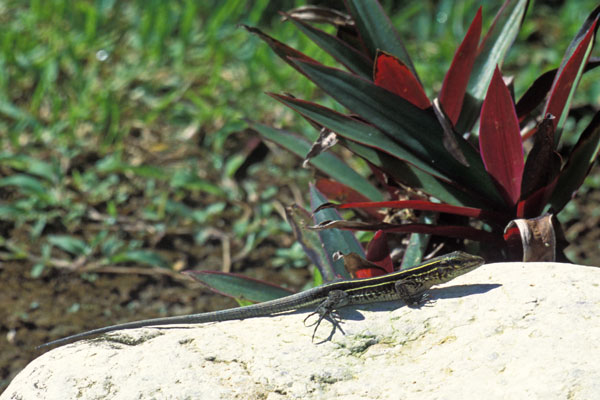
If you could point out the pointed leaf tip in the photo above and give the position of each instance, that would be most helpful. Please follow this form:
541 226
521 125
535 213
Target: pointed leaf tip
457 77
392 74
377 32
570 71
500 139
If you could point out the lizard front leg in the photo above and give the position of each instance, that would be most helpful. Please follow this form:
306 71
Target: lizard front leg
327 309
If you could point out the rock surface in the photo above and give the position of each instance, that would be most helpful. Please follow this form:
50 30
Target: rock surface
502 331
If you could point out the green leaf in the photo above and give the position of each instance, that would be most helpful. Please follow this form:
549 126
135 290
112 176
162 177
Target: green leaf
238 286
356 131
298 218
28 185
348 56
492 51
418 242
37 270
31 165
70 244
417 130
142 257
11 111
377 31
113 163
191 181
147 171
416 178
12 212
569 74
334 240
326 162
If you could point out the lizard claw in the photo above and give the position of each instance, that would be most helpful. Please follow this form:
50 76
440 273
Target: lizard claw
327 310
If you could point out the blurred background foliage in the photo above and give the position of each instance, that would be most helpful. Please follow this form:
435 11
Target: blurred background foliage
123 146
122 135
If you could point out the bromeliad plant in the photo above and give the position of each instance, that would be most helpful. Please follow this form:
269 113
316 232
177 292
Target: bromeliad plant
411 141
472 181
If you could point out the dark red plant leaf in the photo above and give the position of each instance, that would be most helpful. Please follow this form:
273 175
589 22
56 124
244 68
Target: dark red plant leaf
379 253
455 231
376 31
500 140
570 71
423 205
456 79
340 192
543 162
534 203
378 261
392 74
539 89
512 239
359 267
536 93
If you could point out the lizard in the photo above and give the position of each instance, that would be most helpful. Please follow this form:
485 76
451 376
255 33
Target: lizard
408 285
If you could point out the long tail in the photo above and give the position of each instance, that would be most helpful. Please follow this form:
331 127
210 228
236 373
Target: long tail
251 311
187 319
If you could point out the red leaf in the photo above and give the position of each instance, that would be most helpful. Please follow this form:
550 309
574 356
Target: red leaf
500 140
455 231
457 77
379 253
337 191
359 267
512 238
536 93
540 172
340 192
392 74
569 73
422 205
534 204
539 89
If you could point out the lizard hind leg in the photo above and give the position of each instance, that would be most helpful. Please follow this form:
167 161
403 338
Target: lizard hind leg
411 293
327 310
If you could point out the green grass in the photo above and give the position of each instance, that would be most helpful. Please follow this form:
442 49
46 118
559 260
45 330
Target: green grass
122 126
116 118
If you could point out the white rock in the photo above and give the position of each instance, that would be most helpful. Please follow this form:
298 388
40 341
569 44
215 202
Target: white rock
503 331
